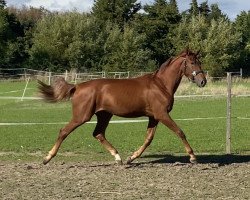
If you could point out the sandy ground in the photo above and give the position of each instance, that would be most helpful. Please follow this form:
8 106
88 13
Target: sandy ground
163 177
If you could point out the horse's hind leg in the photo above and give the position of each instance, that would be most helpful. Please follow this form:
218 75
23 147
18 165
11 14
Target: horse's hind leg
152 124
64 132
79 118
103 119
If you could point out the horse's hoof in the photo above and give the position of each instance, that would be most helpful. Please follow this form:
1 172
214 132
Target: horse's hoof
129 161
193 161
45 161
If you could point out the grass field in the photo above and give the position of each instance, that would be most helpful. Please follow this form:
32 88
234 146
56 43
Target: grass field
33 141
206 136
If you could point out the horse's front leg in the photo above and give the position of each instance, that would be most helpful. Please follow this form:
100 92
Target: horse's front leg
152 124
167 120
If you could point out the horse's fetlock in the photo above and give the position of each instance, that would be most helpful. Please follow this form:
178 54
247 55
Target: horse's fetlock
99 137
190 152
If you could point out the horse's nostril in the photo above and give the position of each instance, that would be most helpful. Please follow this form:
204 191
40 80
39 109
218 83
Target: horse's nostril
203 83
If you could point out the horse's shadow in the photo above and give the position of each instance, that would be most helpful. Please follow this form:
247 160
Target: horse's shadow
202 159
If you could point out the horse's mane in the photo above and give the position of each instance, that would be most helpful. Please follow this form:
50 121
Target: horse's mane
167 63
184 53
187 52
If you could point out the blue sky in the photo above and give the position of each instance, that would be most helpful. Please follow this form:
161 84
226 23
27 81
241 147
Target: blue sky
230 7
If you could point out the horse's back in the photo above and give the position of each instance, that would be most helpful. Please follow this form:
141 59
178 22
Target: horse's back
116 85
122 97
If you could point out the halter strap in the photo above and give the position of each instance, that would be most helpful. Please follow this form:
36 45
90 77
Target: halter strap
194 73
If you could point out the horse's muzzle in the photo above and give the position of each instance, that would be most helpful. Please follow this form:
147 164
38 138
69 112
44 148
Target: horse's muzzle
201 83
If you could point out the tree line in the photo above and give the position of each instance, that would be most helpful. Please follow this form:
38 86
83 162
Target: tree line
123 35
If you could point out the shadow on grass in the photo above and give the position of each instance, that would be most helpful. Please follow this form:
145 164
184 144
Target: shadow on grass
202 159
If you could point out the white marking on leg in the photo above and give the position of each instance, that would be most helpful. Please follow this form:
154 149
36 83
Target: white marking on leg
48 157
117 157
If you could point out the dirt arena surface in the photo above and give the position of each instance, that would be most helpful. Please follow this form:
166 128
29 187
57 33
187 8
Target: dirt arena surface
163 177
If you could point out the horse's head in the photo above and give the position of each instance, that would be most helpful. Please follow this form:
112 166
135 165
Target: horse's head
192 68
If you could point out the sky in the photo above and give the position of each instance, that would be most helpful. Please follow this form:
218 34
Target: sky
230 7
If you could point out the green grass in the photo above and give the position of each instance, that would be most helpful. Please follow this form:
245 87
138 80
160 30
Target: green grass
205 136
15 89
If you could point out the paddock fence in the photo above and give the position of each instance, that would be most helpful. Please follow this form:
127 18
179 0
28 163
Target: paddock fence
232 85
20 74
216 86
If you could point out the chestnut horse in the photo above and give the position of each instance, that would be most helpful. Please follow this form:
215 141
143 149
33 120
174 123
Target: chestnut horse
151 95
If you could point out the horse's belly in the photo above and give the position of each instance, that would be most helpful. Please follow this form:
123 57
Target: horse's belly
123 109
130 114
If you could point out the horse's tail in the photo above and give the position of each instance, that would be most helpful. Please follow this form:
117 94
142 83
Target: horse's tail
58 91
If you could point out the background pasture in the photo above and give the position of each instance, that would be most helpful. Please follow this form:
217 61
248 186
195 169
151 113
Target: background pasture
32 141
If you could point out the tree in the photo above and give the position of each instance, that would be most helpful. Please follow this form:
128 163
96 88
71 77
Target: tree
221 46
2 4
194 10
117 11
209 12
74 40
217 41
3 33
173 3
216 13
242 25
189 33
28 16
60 41
15 49
204 9
157 21
123 51
11 34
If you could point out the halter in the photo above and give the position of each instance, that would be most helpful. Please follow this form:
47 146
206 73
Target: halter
194 73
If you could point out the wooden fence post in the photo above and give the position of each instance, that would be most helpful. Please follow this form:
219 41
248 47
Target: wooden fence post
66 75
49 77
228 133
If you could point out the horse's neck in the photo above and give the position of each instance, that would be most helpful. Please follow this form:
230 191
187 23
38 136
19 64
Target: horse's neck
171 76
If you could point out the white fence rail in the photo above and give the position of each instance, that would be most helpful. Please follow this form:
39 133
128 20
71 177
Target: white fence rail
71 76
